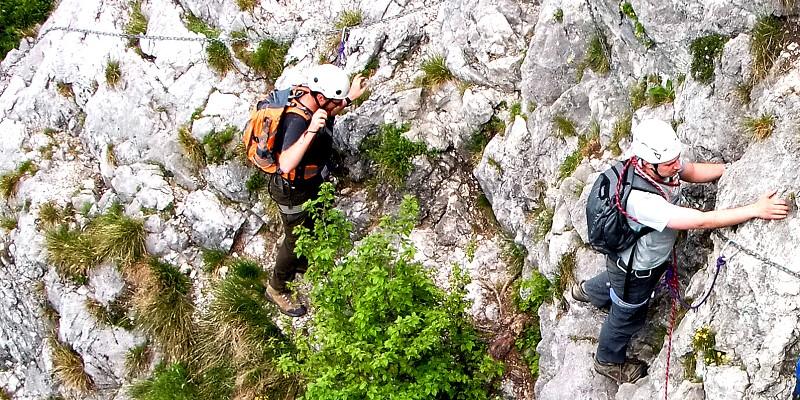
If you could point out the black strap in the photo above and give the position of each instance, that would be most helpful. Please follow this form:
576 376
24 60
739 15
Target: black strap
628 273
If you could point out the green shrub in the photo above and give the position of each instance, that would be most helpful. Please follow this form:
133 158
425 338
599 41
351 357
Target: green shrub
169 382
137 359
766 42
558 15
659 94
705 50
163 309
68 367
379 319
9 180
215 145
564 126
17 19
192 148
117 237
761 127
137 25
533 292
268 59
392 152
515 110
435 71
113 73
596 57
239 342
349 19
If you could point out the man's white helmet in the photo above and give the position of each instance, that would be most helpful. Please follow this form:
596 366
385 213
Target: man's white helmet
329 80
655 141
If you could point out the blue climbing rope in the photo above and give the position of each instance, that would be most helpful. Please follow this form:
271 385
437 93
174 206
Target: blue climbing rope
796 393
340 56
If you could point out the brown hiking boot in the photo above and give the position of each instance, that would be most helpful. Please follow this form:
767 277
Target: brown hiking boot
628 372
285 302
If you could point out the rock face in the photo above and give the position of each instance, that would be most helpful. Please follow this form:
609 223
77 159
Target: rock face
522 63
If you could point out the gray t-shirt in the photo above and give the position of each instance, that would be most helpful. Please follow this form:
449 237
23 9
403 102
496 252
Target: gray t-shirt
654 211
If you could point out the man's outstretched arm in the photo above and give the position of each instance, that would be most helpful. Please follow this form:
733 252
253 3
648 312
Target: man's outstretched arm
702 172
767 207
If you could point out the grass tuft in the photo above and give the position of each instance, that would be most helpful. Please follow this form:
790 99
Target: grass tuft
569 164
137 359
622 130
9 180
219 57
213 259
113 73
349 19
247 5
117 237
761 127
71 252
565 276
163 309
115 314
596 57
192 148
68 367
705 50
766 42
558 15
268 59
169 382
564 126
137 25
544 222
392 152
215 145
435 71
8 223
257 182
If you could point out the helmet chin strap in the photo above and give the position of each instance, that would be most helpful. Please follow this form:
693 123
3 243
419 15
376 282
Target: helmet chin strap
654 169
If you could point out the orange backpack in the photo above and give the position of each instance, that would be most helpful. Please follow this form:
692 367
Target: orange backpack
262 128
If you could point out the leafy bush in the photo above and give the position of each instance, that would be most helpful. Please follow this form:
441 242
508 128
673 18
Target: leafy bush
766 42
761 127
381 328
435 71
163 309
659 94
268 59
17 18
113 73
392 152
704 51
68 367
169 382
533 292
9 180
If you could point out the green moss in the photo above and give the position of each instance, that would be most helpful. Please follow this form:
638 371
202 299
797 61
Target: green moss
18 19
515 110
743 92
558 15
349 19
704 51
113 73
766 42
761 127
267 60
435 71
391 152
215 145
197 25
481 137
564 126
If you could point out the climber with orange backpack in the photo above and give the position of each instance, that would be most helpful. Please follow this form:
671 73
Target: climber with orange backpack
633 217
289 137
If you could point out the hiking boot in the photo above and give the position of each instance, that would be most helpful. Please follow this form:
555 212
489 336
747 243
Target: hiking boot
579 294
628 372
285 302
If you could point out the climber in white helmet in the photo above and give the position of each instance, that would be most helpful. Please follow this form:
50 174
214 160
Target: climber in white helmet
631 276
304 148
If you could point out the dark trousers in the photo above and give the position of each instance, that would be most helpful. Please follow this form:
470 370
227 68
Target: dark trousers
625 317
287 263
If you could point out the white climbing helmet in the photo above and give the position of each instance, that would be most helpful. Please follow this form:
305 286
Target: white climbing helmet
329 80
655 141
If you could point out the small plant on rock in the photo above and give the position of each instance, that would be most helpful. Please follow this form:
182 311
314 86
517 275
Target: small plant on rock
596 57
705 50
268 59
215 145
117 237
137 359
169 381
113 73
213 259
544 221
392 152
558 15
704 342
569 164
9 180
658 93
68 367
761 127
137 25
247 5
192 148
349 19
19 18
435 71
219 57
564 126
766 42
71 252
621 130
8 222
